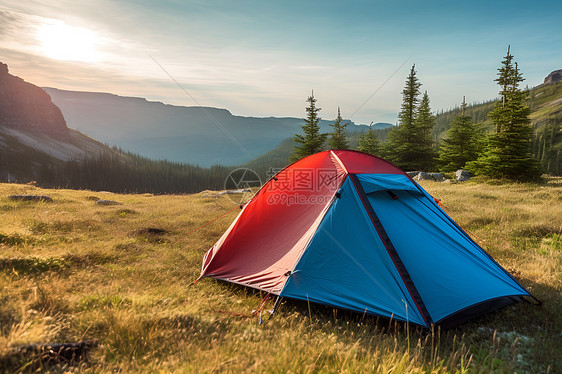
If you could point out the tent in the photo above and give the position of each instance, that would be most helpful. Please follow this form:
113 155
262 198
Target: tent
351 230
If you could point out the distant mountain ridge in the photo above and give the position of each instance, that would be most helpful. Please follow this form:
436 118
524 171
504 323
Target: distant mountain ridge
202 136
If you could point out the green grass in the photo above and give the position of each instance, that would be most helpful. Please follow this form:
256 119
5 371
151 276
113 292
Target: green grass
122 275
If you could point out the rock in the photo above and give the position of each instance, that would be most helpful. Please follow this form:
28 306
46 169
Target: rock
31 198
436 177
554 77
228 192
413 174
152 231
151 234
421 176
463 175
107 202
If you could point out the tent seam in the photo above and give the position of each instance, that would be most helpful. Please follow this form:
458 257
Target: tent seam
408 282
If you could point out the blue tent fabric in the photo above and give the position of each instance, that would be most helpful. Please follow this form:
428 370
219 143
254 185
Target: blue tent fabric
432 204
461 274
347 265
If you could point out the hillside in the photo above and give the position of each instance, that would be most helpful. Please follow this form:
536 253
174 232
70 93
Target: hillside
545 102
196 135
120 278
27 156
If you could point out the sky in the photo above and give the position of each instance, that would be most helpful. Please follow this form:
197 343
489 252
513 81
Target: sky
264 58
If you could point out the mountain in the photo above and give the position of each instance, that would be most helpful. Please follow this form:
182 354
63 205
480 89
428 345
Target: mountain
36 145
197 135
33 132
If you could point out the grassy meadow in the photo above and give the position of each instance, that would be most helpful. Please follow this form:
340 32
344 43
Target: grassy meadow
121 276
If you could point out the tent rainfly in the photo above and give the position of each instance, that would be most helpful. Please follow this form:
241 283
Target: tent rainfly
350 230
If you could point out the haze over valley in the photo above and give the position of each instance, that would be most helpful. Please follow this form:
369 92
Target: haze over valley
202 136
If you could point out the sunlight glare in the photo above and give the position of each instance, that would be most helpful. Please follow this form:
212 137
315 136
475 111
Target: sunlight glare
61 41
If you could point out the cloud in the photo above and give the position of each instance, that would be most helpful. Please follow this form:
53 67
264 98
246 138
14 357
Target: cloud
18 30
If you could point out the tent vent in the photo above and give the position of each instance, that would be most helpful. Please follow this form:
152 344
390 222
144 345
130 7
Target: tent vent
392 195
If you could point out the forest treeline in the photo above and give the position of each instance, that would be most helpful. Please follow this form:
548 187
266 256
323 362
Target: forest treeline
119 171
516 137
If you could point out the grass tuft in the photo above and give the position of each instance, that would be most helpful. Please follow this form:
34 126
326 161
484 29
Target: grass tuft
543 230
32 265
14 239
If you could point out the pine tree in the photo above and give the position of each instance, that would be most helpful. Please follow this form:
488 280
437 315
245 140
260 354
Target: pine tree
462 142
422 152
369 143
508 150
312 141
338 138
409 145
410 95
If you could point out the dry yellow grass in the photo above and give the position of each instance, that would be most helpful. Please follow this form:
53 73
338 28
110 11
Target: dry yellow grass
72 270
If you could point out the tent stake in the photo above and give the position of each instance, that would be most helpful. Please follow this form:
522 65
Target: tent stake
275 305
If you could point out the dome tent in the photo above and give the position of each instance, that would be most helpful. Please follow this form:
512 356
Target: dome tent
351 230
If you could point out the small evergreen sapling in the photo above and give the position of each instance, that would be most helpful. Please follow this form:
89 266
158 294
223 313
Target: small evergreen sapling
312 141
338 138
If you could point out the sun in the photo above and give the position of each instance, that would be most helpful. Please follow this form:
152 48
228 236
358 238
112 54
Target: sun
61 41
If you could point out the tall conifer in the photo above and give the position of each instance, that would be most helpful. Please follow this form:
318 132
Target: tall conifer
422 151
409 145
508 151
312 141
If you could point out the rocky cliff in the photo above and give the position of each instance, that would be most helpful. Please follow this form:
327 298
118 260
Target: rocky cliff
26 107
555 76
